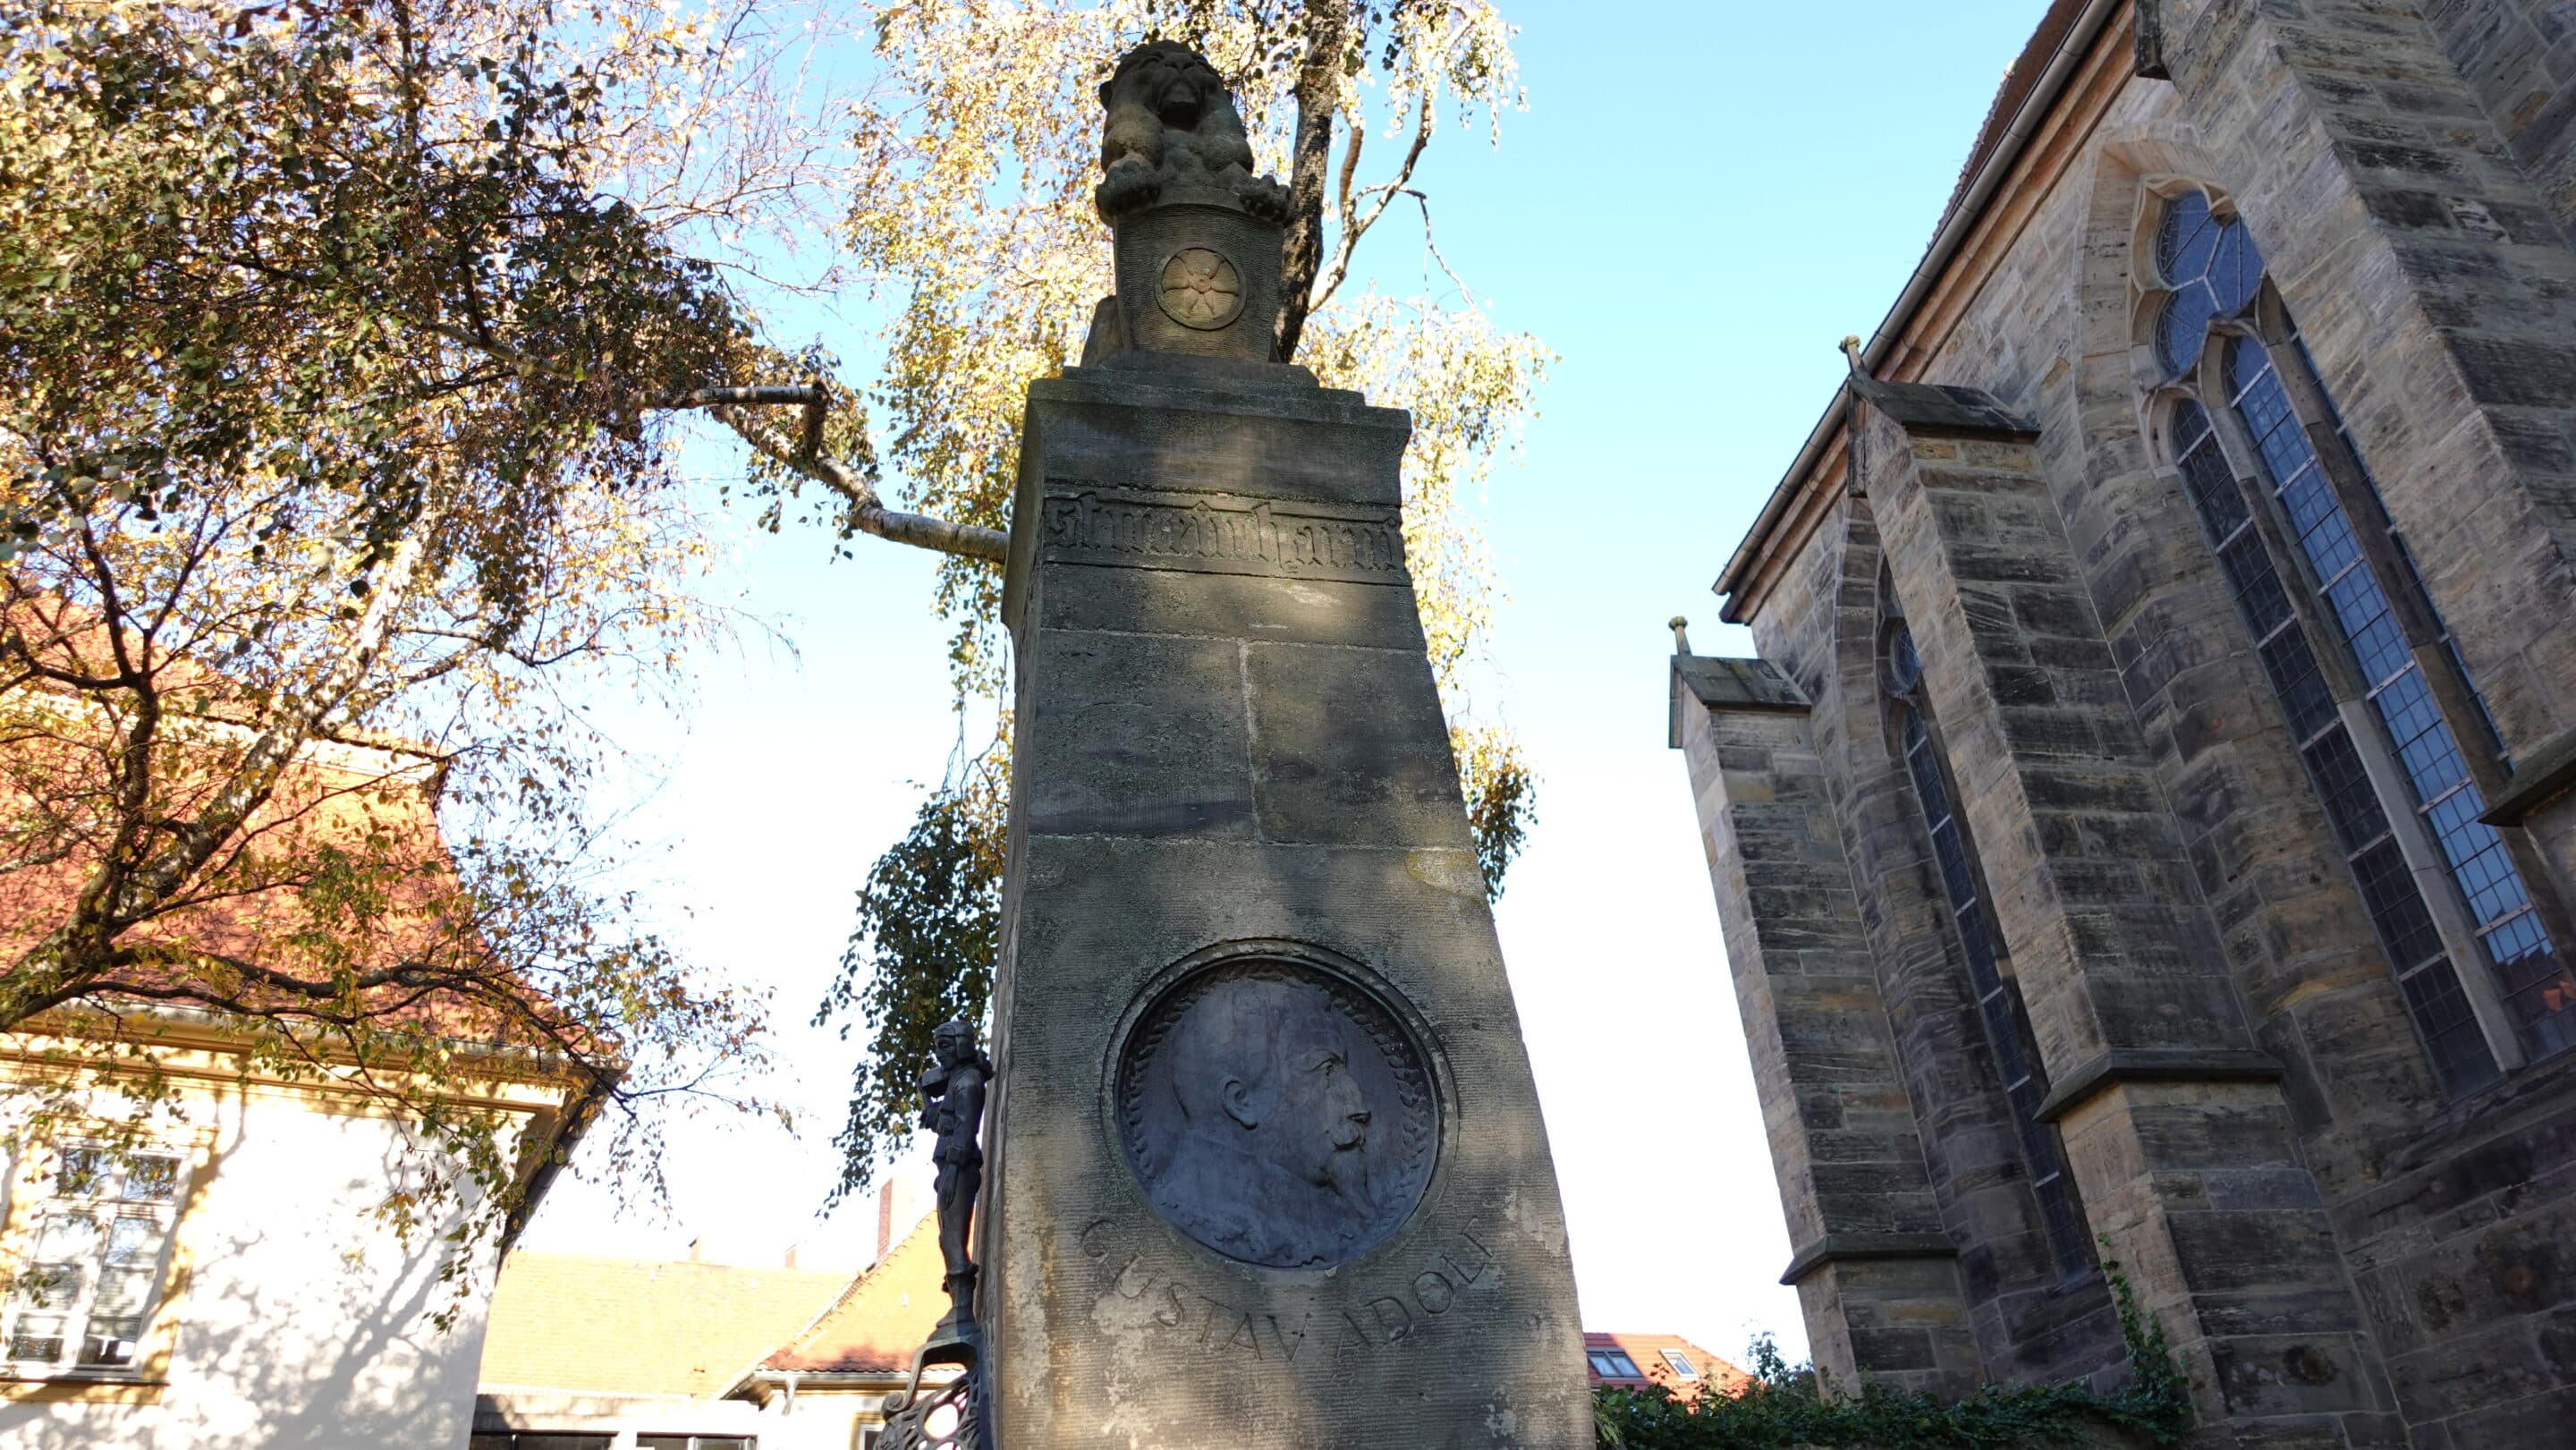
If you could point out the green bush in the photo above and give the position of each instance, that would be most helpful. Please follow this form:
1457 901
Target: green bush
1786 1406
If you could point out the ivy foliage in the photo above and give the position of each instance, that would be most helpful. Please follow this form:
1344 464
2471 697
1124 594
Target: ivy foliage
1502 798
1786 1405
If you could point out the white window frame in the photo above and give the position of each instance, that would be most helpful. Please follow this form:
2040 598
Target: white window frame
1680 1362
77 1308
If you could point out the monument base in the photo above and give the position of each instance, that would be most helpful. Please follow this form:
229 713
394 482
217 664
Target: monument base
956 1415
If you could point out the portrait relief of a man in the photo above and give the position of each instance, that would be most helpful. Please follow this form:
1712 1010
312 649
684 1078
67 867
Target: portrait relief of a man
1261 1123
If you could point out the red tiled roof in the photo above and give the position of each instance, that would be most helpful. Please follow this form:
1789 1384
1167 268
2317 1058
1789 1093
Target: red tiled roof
363 800
880 1319
634 1326
1646 1351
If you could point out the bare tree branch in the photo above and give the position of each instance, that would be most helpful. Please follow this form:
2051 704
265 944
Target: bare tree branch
1310 158
808 395
121 891
867 513
1356 221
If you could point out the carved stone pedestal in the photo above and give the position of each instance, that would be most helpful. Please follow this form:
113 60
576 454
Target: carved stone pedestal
1267 1171
1267 1163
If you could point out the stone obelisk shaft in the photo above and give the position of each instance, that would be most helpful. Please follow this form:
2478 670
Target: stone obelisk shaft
1267 1169
1228 745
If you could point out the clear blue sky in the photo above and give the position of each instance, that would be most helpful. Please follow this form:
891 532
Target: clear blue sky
1701 199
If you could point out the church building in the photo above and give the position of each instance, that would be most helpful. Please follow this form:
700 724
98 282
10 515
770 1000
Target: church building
2146 839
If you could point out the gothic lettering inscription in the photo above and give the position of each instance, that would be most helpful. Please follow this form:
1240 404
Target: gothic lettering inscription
1221 534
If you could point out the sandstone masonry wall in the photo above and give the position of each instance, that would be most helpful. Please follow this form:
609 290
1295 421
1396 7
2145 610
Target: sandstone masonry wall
2348 1257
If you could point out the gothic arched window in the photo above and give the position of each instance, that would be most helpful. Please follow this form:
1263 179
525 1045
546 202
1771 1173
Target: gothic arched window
2310 554
1999 1005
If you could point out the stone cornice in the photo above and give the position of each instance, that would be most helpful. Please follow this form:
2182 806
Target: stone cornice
2154 1064
1938 410
2546 774
1855 1247
1726 683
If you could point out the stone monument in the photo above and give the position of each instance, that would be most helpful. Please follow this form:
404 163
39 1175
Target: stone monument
1267 1168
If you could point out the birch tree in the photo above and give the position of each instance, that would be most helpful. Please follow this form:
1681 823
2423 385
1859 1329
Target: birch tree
344 349
975 158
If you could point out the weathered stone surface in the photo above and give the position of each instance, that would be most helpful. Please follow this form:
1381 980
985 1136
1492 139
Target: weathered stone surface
1723 684
1340 751
1268 1169
1841 1128
1938 408
2364 1261
1141 736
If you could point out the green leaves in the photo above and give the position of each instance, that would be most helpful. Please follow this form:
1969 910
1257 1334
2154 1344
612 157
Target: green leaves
327 335
336 231
923 953
1502 798
1787 1406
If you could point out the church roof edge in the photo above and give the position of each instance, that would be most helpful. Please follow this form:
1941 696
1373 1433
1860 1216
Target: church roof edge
2065 35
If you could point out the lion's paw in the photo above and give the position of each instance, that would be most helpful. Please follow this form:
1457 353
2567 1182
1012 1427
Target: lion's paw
1130 183
1263 197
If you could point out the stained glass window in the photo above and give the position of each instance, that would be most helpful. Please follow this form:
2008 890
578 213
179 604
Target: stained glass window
1999 1004
2215 271
2458 1049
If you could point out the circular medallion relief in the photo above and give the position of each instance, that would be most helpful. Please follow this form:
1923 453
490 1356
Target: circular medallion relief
1201 289
1277 1112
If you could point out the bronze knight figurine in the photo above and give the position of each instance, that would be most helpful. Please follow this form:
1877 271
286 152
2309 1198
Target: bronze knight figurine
952 1094
951 1416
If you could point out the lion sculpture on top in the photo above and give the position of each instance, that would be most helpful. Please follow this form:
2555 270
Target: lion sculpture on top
1172 131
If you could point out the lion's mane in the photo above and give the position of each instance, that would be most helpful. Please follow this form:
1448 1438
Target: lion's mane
1172 129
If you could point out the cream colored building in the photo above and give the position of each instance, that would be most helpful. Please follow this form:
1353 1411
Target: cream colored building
825 1389
226 1282
620 1354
